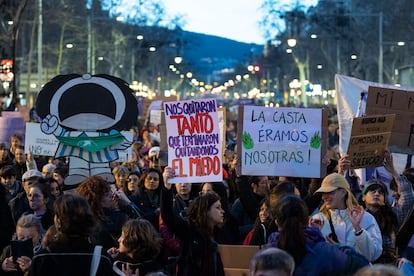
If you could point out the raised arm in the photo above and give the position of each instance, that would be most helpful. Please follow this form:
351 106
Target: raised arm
405 189
177 224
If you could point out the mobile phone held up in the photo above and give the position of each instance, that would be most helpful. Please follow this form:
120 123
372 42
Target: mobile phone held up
21 248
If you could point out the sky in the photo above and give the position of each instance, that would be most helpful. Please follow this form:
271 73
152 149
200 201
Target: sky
234 19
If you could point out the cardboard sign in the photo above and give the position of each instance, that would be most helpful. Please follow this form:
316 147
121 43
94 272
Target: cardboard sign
236 258
281 141
401 103
194 141
369 140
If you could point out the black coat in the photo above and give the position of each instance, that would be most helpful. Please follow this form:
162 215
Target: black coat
110 230
67 259
18 206
149 208
7 226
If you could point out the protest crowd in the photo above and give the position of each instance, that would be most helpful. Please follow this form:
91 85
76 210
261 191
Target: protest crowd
141 223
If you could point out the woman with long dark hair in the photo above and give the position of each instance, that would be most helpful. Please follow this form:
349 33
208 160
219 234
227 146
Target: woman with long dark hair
147 196
313 255
373 199
199 254
104 203
71 250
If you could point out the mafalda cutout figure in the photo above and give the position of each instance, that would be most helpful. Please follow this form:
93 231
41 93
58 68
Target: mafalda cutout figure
87 113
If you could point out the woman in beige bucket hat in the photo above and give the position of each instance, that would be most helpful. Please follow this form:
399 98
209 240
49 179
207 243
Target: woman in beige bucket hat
344 221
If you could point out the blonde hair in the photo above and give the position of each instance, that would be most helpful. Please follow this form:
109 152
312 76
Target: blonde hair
120 169
350 201
29 221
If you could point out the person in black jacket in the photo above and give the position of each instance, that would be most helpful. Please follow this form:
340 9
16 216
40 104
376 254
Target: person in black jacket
28 228
39 196
199 254
70 252
253 189
9 181
5 156
20 203
6 220
373 198
97 192
147 197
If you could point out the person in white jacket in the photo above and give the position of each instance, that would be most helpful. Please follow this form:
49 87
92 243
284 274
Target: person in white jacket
342 220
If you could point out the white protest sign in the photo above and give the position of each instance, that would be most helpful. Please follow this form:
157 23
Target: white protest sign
193 140
281 141
155 116
39 143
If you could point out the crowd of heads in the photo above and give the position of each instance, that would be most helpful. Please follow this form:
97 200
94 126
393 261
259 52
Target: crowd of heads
285 215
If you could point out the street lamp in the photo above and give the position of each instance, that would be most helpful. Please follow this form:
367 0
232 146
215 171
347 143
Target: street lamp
291 42
178 59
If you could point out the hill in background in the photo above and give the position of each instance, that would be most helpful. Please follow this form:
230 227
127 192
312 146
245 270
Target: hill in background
206 54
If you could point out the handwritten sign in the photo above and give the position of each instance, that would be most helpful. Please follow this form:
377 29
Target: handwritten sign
401 103
369 140
38 143
193 139
281 141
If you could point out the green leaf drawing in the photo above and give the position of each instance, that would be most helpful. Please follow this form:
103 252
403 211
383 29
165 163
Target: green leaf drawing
247 140
315 140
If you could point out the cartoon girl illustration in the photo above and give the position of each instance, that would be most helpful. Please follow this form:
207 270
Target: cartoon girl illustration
86 114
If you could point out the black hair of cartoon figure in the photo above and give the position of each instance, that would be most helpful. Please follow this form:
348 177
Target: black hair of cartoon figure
89 98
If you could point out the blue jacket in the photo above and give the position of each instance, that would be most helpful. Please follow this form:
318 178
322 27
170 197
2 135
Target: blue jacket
322 257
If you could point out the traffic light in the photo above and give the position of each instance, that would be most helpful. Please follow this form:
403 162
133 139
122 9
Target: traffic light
7 70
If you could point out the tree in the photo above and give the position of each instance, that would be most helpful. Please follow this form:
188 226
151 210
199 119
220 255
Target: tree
345 29
91 30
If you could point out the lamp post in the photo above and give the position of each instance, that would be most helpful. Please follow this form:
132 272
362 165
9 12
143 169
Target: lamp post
39 46
302 66
140 38
380 50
